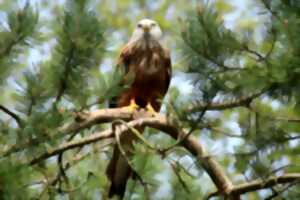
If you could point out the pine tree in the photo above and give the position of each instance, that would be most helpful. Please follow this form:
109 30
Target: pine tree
234 135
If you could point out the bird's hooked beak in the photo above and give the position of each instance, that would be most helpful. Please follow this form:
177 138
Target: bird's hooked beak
146 30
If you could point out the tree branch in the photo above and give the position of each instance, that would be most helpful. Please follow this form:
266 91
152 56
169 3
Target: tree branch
278 193
82 120
242 101
258 55
261 184
87 119
12 114
159 122
73 144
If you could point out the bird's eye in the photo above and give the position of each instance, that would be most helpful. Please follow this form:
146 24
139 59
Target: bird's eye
139 25
153 24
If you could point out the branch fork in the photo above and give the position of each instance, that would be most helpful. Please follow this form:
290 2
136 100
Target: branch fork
127 121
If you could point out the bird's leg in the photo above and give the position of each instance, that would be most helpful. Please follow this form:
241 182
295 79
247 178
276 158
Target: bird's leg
133 106
150 108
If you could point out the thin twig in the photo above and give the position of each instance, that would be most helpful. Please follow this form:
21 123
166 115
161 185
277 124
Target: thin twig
258 55
136 133
238 102
181 139
62 170
277 193
210 127
180 179
12 114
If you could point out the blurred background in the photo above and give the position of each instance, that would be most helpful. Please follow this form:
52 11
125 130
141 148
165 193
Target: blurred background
31 76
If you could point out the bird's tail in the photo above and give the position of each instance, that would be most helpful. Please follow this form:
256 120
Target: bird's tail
118 170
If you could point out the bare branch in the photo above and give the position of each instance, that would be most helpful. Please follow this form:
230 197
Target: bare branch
87 119
159 122
261 184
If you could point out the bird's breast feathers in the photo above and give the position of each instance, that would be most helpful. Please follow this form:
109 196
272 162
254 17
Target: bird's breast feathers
147 58
149 63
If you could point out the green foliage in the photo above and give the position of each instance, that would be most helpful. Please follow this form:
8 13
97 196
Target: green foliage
20 30
60 58
208 40
79 47
144 162
13 179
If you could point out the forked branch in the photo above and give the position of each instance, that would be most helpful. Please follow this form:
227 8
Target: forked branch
159 122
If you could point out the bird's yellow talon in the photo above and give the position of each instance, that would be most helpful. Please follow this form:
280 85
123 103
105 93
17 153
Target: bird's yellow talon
150 108
133 106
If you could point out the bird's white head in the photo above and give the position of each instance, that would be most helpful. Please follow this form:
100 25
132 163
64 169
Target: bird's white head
146 29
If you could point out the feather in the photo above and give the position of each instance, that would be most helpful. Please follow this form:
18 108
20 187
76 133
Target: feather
151 65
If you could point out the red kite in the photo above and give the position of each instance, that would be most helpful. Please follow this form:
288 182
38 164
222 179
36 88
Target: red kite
149 64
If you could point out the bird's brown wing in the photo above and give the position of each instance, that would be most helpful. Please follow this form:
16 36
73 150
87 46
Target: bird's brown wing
122 68
125 57
168 68
160 87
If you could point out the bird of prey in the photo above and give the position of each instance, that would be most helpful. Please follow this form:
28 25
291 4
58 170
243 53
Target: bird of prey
146 61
